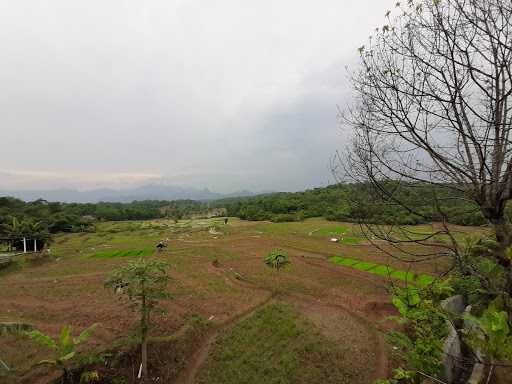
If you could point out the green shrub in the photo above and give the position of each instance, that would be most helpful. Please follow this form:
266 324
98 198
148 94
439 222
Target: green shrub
286 217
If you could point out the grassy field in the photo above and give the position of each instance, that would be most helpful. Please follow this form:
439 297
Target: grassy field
219 276
276 346
123 253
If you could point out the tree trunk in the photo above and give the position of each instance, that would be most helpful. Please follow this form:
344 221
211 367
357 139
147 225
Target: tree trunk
144 334
66 378
503 235
276 281
144 353
503 231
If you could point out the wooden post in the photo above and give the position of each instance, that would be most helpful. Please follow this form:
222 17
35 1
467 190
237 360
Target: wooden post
24 245
35 245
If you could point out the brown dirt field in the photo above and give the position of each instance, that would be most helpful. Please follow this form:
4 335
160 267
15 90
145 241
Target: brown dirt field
347 305
333 318
352 332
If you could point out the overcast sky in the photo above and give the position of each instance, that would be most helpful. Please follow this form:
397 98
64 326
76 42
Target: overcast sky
224 94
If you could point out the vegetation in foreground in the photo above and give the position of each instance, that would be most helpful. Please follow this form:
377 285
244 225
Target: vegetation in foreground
64 348
452 56
145 284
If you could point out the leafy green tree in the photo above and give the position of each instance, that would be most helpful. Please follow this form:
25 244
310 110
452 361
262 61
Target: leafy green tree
145 284
64 347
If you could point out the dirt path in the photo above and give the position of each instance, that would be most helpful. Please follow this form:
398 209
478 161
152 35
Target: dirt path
329 317
199 357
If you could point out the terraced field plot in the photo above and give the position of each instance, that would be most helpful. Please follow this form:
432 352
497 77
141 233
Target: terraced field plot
123 253
421 280
276 345
219 277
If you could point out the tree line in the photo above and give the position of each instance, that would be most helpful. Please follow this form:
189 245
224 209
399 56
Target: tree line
40 219
360 202
342 202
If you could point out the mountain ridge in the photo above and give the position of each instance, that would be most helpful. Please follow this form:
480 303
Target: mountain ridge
144 192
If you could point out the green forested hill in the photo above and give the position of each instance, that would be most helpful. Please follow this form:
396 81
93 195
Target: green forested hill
353 202
350 202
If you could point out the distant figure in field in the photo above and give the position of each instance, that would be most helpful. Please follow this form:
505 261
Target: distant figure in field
225 220
161 245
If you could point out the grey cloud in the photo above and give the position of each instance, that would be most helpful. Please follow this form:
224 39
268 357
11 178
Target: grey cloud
222 94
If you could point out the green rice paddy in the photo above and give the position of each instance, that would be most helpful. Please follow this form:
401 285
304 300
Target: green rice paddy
421 280
123 253
331 230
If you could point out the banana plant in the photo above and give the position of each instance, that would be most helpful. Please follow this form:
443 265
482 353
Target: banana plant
15 227
64 346
276 260
22 227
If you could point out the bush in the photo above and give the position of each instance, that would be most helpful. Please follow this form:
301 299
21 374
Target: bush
287 217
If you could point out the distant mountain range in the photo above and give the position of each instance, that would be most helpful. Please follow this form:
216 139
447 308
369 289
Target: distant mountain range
146 192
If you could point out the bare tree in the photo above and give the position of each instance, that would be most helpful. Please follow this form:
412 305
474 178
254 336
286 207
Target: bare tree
434 107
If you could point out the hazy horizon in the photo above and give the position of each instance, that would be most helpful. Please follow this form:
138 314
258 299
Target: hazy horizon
219 95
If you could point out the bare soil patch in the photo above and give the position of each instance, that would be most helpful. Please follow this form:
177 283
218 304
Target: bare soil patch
346 305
